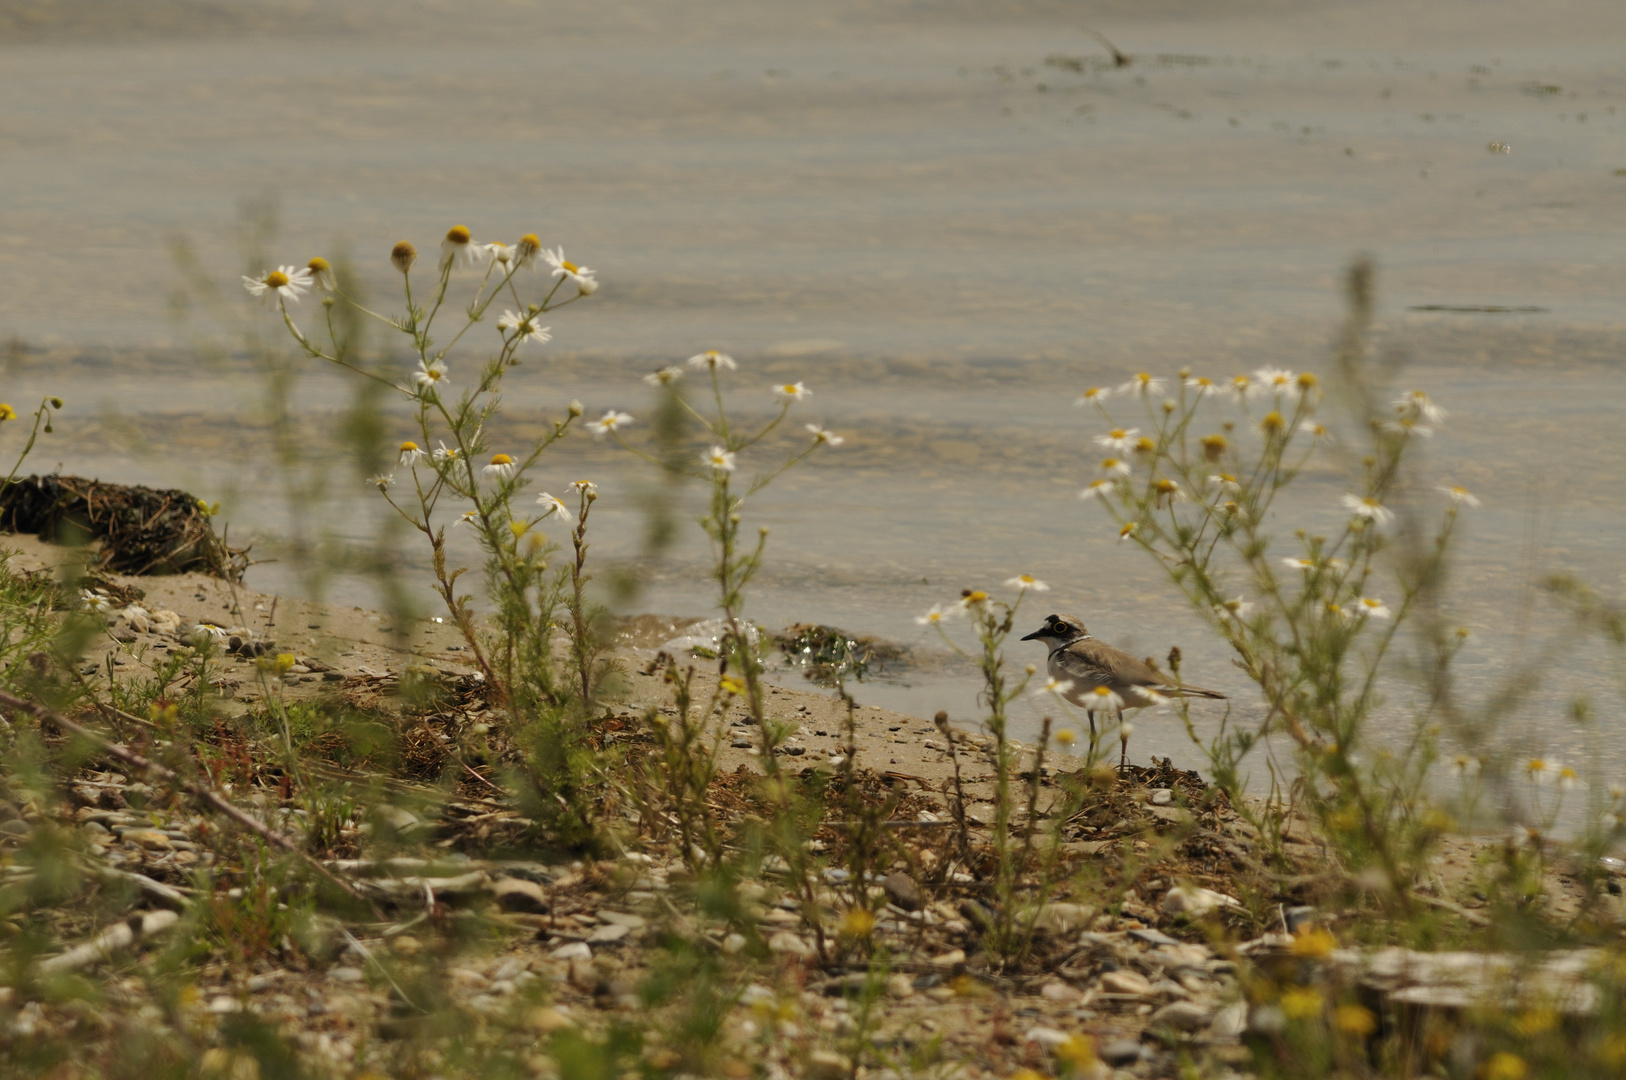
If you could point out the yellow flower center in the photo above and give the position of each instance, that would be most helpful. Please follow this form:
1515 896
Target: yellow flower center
1117 433
976 596
1145 445
1101 691
407 446
1272 423
7 412
403 251
789 388
276 279
1307 381
530 242
458 234
319 265
568 265
518 528
1166 487
1110 463
501 459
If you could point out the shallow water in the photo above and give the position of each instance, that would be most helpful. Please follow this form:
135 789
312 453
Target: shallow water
944 234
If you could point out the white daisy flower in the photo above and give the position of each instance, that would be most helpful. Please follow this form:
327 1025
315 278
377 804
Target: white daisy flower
1465 766
467 517
1055 686
1118 440
445 453
1542 770
610 421
501 467
219 633
938 613
1026 582
1224 482
459 250
1240 387
666 376
284 284
1127 531
719 459
96 600
1093 396
1237 608
823 436
555 507
382 482
1459 495
411 454
501 254
1408 425
712 359
1278 382
586 283
1373 608
1568 779
1098 489
1143 384
792 391
1102 699
1202 387
321 272
1298 564
1418 403
526 251
585 487
428 376
1114 467
524 328
1167 491
1365 506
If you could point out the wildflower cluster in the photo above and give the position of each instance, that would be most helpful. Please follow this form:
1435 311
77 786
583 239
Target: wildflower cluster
1191 471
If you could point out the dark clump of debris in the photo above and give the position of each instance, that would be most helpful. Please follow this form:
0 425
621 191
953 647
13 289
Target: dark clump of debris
827 654
140 530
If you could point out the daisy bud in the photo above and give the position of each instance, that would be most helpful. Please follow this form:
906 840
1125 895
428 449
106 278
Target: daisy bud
1214 446
1031 668
1169 405
1184 373
403 255
762 530
56 403
327 301
1307 382
1272 424
575 408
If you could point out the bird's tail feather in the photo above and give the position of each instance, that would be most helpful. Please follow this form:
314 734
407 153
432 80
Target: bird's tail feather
1195 691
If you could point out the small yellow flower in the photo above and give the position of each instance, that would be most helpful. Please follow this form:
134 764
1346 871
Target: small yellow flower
728 684
285 662
1144 445
972 597
1354 1020
1065 737
7 412
1314 942
1503 1066
1535 1022
1078 1051
519 528
857 923
1302 1003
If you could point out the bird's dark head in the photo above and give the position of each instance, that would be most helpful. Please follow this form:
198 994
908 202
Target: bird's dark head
1059 630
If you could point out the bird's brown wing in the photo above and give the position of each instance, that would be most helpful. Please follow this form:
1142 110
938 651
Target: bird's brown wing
1091 663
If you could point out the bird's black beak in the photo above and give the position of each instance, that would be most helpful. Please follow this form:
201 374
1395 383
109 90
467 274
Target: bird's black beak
1039 633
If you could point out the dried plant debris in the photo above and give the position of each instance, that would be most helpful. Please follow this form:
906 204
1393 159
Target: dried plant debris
827 655
140 530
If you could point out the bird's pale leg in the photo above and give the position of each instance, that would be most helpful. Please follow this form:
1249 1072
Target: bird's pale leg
1093 737
1123 760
